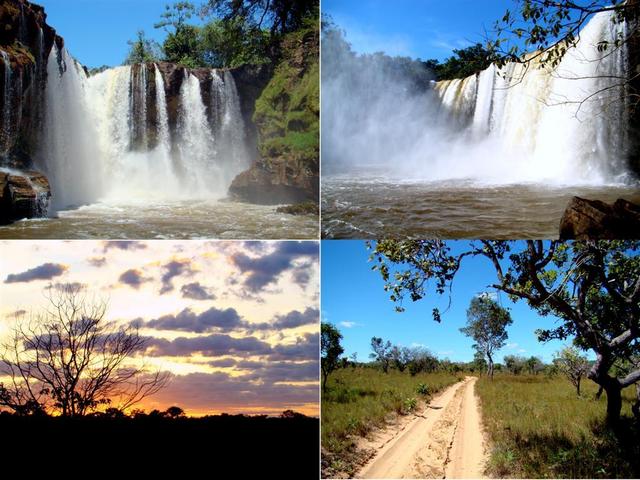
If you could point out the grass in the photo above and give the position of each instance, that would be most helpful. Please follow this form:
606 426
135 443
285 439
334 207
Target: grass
540 428
358 400
287 111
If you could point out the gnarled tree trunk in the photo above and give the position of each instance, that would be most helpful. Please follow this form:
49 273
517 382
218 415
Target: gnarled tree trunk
599 373
490 366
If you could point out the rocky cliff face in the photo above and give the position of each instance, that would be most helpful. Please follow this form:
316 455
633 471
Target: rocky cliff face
25 43
287 120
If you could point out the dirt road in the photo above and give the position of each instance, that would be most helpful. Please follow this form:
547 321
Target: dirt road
446 441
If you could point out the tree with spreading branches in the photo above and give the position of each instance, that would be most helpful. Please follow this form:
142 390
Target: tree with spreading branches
69 360
331 350
381 352
487 323
592 287
280 16
539 33
572 364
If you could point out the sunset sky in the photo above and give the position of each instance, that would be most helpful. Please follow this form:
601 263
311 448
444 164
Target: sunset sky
236 323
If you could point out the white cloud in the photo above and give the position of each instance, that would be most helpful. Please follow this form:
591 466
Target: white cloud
348 324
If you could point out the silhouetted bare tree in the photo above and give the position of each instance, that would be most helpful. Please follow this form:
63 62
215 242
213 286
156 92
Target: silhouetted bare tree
70 360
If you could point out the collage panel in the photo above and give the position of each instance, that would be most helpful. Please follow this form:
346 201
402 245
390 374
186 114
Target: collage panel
480 359
356 239
480 222
202 347
187 120
506 120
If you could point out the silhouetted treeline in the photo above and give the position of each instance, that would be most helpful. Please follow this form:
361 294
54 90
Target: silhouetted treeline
220 446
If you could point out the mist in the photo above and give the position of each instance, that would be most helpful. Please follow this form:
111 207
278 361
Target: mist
387 116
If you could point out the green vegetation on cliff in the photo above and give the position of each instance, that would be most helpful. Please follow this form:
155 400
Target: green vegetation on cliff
287 112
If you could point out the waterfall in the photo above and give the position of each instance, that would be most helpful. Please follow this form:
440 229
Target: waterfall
164 138
227 122
111 137
196 138
566 124
68 152
6 102
138 107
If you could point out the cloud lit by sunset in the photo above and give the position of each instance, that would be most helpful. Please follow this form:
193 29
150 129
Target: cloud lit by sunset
234 323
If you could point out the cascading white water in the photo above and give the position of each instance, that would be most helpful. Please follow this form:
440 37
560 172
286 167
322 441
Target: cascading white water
164 138
196 139
109 146
565 125
138 105
228 125
68 151
6 110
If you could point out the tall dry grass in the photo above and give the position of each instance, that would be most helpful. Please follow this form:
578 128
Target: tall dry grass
360 399
540 428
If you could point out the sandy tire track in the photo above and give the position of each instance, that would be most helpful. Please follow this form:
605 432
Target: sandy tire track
446 442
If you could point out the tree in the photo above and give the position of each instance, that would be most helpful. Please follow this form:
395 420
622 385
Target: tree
354 359
549 28
174 412
400 356
330 350
281 16
142 50
487 323
231 43
71 361
381 352
593 287
463 63
573 365
534 365
422 360
182 44
515 364
479 363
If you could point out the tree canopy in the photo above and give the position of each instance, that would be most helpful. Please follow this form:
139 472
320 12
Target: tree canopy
572 364
280 16
463 63
331 350
487 323
142 50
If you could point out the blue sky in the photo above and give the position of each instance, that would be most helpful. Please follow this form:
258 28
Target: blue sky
96 31
353 299
416 28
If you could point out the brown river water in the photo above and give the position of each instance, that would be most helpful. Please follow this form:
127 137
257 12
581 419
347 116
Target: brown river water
377 207
173 220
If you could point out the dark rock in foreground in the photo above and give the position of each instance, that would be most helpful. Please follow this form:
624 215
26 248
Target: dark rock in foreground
593 219
286 181
23 195
306 208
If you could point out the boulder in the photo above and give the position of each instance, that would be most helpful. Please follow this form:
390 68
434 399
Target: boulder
593 219
23 195
276 182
